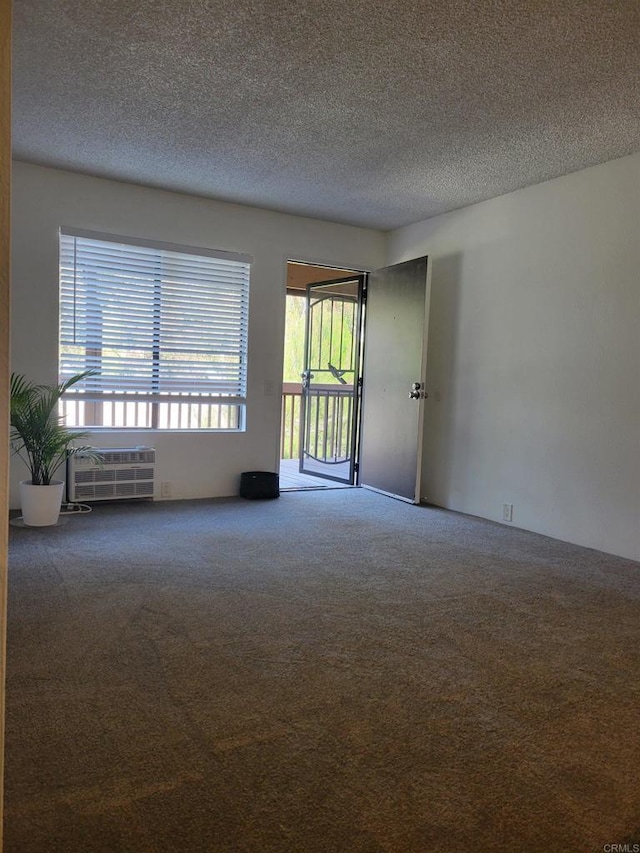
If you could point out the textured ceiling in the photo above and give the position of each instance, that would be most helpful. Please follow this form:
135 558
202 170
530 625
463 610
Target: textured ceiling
372 112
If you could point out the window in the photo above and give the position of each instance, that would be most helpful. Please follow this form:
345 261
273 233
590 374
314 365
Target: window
164 327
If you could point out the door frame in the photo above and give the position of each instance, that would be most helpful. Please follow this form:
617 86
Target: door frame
330 267
5 228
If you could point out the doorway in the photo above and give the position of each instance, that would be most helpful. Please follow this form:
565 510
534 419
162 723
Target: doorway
320 389
337 430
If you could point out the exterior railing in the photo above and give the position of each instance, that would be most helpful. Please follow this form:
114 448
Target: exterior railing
328 427
290 420
145 415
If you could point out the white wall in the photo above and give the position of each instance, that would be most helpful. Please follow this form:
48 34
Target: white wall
198 464
534 350
534 356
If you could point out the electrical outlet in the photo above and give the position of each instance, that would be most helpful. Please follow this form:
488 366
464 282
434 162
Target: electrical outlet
165 489
507 512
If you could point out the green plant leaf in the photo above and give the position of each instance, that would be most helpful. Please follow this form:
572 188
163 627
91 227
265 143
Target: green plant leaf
37 433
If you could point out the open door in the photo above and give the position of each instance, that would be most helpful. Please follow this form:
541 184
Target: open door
331 379
397 314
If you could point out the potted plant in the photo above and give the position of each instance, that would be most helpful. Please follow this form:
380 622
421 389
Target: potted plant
43 442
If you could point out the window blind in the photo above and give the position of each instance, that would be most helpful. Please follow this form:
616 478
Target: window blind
154 321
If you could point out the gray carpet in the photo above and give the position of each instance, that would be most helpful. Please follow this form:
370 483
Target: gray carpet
330 671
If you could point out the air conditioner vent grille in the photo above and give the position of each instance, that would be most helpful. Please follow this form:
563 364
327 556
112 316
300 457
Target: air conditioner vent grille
122 473
125 457
113 491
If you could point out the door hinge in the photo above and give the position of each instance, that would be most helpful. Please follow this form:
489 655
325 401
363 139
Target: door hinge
356 467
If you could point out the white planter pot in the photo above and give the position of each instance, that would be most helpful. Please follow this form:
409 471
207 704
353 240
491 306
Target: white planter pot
41 504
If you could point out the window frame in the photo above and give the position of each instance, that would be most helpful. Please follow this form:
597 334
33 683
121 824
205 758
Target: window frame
156 399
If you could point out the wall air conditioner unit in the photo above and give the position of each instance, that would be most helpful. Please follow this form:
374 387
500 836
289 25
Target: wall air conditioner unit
126 472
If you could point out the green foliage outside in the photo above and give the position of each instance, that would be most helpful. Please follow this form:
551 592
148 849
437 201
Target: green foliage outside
294 339
332 341
332 344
